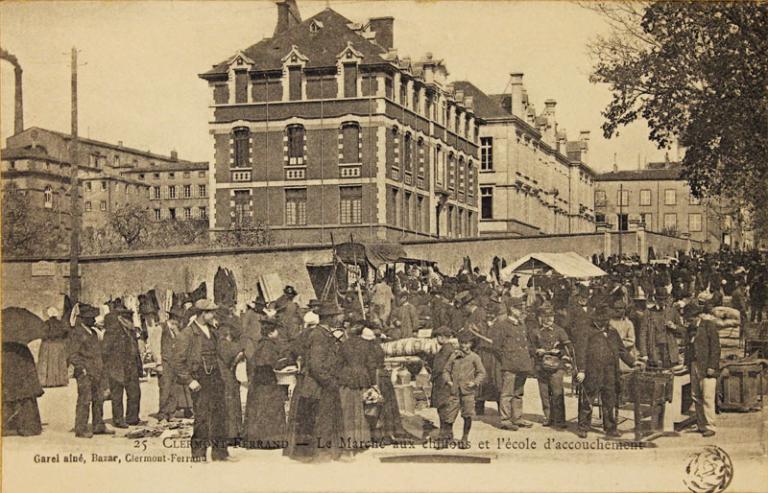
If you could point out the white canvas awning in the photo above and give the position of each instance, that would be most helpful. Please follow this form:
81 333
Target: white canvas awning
568 264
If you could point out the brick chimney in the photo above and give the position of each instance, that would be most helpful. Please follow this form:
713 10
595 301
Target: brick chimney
584 140
287 15
18 117
384 29
516 91
174 155
550 136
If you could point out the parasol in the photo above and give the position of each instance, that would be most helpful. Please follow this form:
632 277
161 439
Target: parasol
21 326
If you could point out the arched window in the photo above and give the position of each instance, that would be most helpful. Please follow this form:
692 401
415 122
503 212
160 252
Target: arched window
408 152
350 142
295 144
48 197
242 144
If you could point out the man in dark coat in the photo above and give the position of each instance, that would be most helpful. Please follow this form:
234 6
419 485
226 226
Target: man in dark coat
441 391
703 354
404 317
173 396
598 351
199 368
85 355
512 347
122 361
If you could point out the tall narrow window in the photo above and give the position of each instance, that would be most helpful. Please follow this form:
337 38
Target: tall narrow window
407 210
156 193
351 205
451 172
623 222
157 214
670 223
418 218
242 138
201 190
623 198
350 80
408 152
403 93
172 191
486 153
645 197
242 205
294 83
187 191
694 223
486 202
241 86
670 196
296 206
295 145
439 167
48 197
350 136
600 198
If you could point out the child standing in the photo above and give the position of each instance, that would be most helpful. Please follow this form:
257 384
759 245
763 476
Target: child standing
463 373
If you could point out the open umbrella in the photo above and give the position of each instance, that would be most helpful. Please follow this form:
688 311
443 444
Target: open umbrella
21 325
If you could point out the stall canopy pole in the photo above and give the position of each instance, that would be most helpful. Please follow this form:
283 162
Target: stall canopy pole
359 291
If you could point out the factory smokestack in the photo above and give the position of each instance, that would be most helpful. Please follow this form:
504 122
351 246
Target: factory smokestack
18 119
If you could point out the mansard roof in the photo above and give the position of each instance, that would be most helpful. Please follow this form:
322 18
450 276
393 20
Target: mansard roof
320 47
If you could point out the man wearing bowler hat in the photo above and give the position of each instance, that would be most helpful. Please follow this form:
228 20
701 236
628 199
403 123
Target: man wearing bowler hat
123 364
598 351
85 355
199 368
288 314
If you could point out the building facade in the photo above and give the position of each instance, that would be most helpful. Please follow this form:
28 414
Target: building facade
532 179
659 199
111 175
323 129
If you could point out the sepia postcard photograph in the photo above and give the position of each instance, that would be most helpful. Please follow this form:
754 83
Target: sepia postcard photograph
386 246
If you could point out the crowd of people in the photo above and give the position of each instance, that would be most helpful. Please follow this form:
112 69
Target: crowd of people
492 333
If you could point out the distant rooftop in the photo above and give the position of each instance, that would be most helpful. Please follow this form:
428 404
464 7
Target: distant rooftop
652 172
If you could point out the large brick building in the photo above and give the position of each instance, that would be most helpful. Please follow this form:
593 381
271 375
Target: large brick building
323 128
532 179
659 198
111 175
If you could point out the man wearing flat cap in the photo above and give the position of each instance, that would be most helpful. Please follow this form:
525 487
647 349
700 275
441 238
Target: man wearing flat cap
200 369
598 351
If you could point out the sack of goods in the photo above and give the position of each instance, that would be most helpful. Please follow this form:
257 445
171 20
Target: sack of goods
725 317
410 346
723 323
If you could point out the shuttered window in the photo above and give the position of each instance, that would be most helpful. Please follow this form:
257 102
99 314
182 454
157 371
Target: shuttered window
351 205
296 206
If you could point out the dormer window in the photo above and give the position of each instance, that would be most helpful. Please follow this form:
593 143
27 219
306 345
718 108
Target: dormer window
315 27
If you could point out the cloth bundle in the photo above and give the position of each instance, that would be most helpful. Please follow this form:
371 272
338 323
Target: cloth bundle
410 346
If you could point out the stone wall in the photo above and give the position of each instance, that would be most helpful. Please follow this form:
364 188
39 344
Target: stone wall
36 285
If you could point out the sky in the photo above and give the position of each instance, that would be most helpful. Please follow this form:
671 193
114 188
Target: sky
139 61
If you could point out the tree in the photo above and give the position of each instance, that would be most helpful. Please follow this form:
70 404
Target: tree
26 229
130 222
698 74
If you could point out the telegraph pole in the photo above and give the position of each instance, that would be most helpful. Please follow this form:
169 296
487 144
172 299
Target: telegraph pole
74 193
621 217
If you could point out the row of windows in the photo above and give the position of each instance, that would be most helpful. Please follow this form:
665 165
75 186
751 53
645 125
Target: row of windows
96 160
175 192
350 205
669 221
645 198
172 175
185 212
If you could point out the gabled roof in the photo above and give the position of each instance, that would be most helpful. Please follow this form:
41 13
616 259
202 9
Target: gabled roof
485 106
321 47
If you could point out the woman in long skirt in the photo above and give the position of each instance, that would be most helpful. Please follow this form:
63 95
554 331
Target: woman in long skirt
52 366
265 409
21 388
355 378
